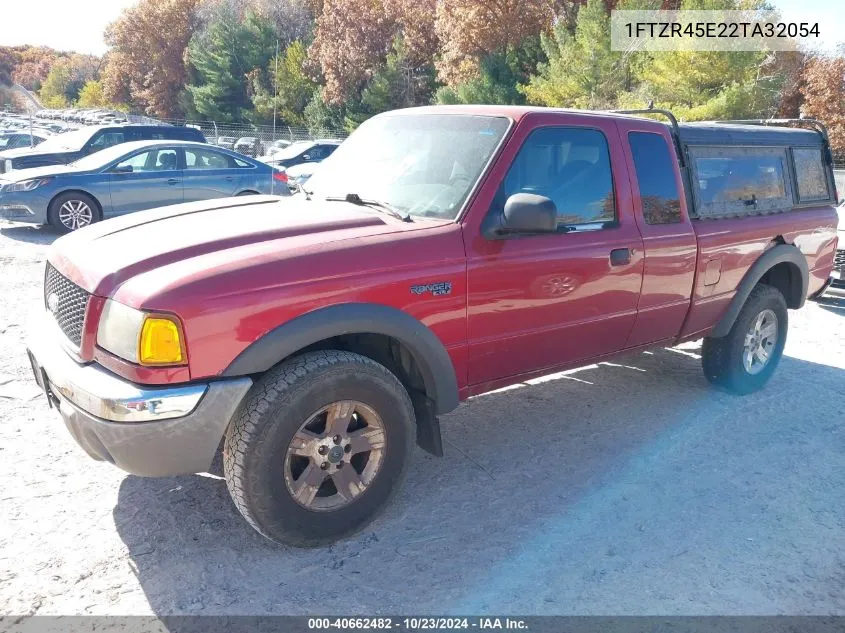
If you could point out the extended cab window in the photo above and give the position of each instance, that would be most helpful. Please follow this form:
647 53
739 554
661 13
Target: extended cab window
810 174
740 180
655 168
571 166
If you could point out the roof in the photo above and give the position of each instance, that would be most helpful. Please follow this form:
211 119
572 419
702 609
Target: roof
703 133
711 133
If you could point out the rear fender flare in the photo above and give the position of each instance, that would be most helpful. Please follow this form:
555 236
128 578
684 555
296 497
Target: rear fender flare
430 355
782 253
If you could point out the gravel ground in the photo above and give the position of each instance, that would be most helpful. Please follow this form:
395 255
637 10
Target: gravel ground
620 488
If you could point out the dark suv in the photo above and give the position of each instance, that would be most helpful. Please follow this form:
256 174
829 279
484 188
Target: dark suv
70 146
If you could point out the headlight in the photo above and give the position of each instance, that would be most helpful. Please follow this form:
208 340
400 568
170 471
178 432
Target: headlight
26 185
141 337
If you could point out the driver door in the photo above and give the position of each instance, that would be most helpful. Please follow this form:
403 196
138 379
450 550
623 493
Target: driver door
542 302
155 180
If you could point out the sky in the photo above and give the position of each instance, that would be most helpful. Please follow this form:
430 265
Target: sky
78 25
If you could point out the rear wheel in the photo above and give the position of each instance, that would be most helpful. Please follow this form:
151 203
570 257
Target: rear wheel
73 210
745 359
319 447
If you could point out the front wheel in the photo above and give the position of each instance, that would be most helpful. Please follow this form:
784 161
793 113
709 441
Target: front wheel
745 359
318 447
71 211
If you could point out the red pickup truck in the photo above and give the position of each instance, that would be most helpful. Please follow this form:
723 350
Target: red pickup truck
439 253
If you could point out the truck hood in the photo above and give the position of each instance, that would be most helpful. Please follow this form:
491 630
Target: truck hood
223 232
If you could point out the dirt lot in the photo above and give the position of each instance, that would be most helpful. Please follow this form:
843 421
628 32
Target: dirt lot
627 488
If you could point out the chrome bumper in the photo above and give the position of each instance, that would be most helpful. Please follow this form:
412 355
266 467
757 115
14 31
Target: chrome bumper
155 431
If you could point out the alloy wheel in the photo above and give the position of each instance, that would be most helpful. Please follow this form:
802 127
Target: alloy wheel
760 342
335 455
74 214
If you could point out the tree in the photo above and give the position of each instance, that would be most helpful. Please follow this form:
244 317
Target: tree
582 71
824 96
8 62
33 65
55 88
352 39
471 30
145 67
91 95
292 19
229 57
496 82
295 88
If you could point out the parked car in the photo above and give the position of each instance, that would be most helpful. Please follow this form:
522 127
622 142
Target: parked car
278 146
302 152
319 337
15 140
71 146
249 146
131 177
298 175
227 142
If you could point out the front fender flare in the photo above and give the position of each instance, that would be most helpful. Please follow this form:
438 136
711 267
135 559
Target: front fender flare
782 253
433 360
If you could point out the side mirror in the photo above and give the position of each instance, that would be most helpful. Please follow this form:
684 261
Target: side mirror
121 169
526 213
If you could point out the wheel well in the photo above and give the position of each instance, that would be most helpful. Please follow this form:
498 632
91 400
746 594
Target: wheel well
85 193
786 277
400 361
247 192
383 349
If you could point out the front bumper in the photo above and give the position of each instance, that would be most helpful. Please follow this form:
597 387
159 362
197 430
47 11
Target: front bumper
153 432
23 207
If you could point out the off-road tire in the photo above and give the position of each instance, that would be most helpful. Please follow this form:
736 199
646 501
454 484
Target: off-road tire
276 406
71 196
721 357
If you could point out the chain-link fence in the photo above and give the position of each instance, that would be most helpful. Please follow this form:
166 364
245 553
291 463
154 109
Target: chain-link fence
255 140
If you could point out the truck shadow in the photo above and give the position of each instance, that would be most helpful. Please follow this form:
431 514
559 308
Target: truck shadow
624 487
833 301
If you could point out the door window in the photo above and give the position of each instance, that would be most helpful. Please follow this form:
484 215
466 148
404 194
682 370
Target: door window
196 159
106 139
570 166
655 169
153 160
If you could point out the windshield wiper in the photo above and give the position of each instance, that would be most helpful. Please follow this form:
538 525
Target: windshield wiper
354 198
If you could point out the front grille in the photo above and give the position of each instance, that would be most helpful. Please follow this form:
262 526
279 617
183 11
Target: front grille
839 261
67 303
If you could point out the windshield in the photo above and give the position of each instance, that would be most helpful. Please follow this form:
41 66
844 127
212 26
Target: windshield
424 164
67 142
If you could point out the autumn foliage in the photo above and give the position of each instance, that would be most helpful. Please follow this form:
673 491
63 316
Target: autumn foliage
823 90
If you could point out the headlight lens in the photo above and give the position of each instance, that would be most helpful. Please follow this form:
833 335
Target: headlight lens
140 337
26 185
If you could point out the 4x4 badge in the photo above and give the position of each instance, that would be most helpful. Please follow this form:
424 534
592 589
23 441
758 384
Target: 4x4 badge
438 289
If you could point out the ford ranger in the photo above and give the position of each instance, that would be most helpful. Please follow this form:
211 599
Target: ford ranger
439 253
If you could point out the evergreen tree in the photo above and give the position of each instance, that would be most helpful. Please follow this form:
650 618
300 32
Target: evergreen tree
225 57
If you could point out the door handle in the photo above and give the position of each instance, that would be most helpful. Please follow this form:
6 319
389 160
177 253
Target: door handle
173 181
620 256
229 178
